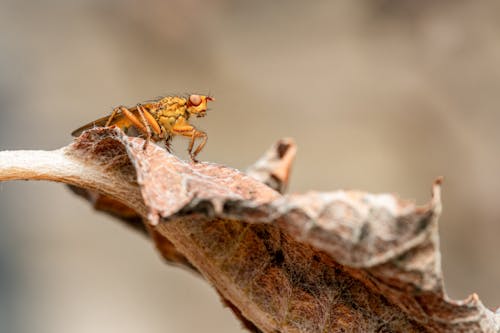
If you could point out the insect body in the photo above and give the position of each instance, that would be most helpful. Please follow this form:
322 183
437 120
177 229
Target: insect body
160 120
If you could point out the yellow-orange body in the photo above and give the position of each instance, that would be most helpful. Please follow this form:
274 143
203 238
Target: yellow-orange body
160 120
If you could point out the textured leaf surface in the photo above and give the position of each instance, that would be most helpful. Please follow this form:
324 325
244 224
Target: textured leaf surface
313 262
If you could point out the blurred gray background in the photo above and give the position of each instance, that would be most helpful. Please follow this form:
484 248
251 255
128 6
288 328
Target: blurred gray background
381 96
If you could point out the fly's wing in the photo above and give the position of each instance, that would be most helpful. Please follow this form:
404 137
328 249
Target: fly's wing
118 120
96 123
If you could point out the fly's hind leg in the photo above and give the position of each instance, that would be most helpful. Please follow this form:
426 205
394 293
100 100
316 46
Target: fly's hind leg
113 114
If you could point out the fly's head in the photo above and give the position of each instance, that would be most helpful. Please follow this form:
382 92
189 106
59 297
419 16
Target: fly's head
197 105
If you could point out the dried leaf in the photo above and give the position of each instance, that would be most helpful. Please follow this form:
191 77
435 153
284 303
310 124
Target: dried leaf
314 262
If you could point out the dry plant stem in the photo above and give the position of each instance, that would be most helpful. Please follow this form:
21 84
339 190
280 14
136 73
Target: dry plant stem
314 262
61 166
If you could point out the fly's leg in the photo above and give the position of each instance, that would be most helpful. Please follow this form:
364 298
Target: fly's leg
141 126
133 119
150 120
197 134
183 128
168 143
150 123
113 114
145 123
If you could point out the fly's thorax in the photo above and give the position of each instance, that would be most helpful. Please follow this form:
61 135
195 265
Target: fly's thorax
169 116
173 101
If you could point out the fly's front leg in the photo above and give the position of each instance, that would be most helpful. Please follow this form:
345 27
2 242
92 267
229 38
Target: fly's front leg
204 137
182 127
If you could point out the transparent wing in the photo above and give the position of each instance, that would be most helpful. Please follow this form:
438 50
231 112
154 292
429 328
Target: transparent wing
118 120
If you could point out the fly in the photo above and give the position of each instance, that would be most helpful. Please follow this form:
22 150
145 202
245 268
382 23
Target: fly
160 119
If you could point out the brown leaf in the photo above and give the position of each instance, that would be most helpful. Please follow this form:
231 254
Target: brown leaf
273 168
314 262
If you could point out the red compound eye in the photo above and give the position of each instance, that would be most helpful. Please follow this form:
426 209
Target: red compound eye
195 100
